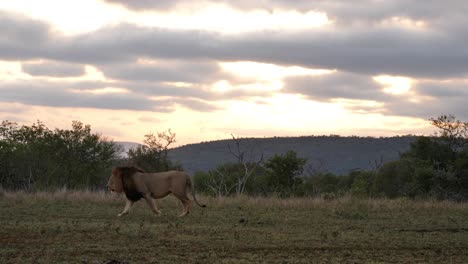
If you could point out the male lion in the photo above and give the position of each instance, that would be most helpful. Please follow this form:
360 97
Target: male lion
138 184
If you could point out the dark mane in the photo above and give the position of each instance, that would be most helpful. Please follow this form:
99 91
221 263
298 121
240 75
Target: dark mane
129 170
128 183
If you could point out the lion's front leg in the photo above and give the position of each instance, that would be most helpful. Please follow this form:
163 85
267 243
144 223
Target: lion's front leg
151 203
128 205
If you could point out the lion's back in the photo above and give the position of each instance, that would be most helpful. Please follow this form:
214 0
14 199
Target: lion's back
163 182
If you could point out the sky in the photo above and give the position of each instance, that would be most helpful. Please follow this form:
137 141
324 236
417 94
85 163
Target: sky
209 69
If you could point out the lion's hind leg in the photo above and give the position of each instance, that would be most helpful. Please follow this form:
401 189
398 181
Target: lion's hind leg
151 203
186 203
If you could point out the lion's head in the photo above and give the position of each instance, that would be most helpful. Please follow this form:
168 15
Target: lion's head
114 184
119 177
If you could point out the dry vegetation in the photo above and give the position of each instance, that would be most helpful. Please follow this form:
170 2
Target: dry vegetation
82 227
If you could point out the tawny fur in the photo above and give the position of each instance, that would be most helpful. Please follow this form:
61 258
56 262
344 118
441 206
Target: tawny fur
137 184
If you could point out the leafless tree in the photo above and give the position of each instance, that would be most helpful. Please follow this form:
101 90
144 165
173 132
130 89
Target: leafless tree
454 131
376 164
249 156
315 167
218 183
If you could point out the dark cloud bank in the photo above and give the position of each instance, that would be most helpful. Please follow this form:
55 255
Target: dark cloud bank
357 51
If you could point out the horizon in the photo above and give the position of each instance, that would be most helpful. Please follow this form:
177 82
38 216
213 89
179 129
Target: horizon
209 69
173 146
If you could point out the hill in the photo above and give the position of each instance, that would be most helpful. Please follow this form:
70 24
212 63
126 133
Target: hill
335 154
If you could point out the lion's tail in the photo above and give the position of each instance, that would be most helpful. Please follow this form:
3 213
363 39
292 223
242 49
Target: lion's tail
190 185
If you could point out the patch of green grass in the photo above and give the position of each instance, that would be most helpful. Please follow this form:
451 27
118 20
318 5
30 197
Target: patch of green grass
72 227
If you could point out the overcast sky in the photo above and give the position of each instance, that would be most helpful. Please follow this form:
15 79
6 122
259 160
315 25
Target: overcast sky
208 69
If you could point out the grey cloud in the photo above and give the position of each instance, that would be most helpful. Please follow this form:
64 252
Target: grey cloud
166 71
193 104
24 38
442 89
341 10
455 106
197 105
370 51
157 89
447 97
433 98
145 4
63 94
365 50
335 85
53 94
53 69
438 52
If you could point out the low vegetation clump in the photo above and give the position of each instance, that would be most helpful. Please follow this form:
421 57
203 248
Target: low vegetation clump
83 227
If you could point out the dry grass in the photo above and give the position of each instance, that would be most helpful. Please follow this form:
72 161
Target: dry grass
63 194
294 202
82 227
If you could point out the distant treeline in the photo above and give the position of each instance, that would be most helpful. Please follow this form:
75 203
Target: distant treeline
433 167
338 155
38 158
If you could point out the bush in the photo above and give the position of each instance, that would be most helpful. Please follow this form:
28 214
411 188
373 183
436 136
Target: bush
362 184
37 158
395 179
152 156
284 172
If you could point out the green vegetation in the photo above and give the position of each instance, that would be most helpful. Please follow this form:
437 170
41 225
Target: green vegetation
327 218
37 158
152 154
434 167
82 227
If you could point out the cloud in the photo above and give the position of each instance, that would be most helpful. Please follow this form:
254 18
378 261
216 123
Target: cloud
145 4
335 85
149 119
22 38
436 98
93 94
193 104
58 95
357 51
443 88
363 50
53 69
360 93
341 10
166 71
428 108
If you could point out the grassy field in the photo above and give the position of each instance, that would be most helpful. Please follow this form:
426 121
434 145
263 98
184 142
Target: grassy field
82 227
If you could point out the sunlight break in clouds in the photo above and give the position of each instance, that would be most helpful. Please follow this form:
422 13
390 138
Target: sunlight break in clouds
11 70
68 17
225 19
404 22
395 85
263 76
106 90
267 71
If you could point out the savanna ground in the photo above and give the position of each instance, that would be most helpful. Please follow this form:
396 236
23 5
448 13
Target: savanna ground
83 227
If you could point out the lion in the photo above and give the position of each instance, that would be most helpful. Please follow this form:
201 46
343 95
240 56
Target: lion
137 184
